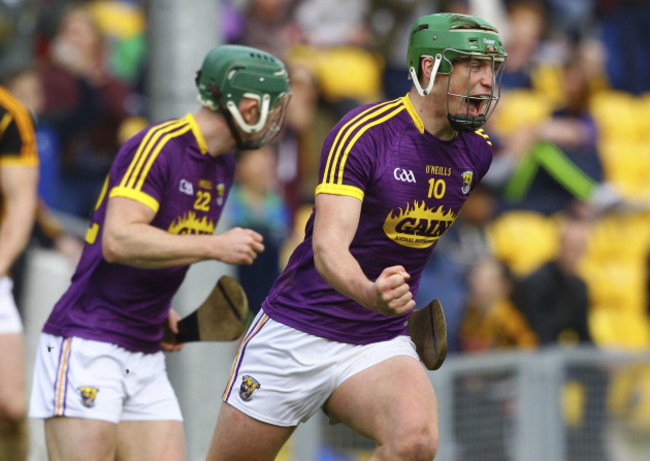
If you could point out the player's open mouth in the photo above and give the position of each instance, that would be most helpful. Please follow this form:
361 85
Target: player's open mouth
474 105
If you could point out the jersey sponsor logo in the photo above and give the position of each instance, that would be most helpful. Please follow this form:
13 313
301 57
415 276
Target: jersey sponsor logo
190 224
186 187
247 387
467 177
402 174
417 226
88 395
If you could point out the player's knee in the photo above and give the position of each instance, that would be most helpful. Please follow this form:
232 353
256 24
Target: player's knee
417 446
13 410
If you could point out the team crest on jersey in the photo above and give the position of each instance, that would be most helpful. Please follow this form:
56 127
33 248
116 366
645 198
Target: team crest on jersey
417 226
248 386
467 177
221 191
88 395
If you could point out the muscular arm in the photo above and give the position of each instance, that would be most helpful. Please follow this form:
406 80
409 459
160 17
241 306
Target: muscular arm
337 218
18 186
129 238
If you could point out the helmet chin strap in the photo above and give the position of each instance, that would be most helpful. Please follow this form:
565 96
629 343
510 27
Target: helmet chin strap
434 72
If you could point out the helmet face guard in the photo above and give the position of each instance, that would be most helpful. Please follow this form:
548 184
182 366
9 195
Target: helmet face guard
230 73
485 104
447 38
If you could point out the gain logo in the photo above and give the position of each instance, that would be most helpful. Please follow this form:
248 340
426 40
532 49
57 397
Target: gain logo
418 226
190 224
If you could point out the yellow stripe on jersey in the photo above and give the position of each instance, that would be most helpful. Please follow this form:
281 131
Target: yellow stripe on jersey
358 135
144 148
136 195
336 189
481 132
154 154
332 157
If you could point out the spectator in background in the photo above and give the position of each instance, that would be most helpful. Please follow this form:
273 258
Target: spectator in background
546 166
554 299
85 104
18 198
527 27
255 203
390 22
269 25
337 45
491 323
491 320
624 32
298 146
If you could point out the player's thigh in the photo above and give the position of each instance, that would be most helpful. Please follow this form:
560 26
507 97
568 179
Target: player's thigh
77 439
151 441
12 376
390 400
238 437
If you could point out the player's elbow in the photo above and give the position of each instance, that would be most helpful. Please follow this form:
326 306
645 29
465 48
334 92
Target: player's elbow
320 257
112 250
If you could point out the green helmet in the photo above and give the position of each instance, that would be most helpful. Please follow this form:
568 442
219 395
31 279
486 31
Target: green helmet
447 37
232 72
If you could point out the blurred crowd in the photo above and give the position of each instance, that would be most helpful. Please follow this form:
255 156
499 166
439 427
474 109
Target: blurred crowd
552 249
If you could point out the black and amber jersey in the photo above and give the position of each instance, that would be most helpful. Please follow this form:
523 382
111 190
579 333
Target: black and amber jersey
17 136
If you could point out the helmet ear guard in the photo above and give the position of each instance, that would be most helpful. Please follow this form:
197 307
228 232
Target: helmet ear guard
414 76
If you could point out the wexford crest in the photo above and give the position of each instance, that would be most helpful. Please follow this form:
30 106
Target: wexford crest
248 386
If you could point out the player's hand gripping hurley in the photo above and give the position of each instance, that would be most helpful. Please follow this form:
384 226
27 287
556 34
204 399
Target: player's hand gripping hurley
221 317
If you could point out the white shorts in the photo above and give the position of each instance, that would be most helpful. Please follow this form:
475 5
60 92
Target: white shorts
80 378
9 317
282 376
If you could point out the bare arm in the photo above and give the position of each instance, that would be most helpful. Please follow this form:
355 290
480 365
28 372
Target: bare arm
129 238
337 218
18 187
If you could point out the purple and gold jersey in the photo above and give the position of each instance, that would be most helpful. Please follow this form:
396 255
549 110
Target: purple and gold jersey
168 168
412 186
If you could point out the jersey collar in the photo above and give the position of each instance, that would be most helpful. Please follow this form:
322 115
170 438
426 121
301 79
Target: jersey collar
412 112
200 140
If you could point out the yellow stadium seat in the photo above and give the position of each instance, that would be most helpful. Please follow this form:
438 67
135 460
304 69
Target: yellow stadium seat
618 115
519 108
523 239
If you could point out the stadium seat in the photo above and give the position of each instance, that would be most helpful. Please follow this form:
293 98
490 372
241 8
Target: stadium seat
523 239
